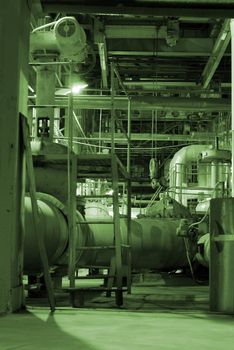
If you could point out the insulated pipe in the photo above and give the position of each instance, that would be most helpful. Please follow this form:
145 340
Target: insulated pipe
178 163
155 244
147 103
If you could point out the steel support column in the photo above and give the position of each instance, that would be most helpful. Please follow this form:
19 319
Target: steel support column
13 99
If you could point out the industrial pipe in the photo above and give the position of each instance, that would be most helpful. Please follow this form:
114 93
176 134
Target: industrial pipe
178 163
147 103
155 243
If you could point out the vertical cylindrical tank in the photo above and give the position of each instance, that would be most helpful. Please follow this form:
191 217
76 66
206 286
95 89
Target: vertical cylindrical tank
222 255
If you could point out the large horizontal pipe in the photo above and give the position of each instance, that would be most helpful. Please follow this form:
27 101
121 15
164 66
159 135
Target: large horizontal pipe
151 103
155 244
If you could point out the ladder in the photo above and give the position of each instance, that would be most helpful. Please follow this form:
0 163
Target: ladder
155 195
115 275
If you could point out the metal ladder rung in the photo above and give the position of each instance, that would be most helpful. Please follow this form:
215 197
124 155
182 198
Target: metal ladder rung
125 246
96 196
102 247
96 248
94 277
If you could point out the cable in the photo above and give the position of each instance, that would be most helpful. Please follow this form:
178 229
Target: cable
188 258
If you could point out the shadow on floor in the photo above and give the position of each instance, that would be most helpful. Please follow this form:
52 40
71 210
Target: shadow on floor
25 331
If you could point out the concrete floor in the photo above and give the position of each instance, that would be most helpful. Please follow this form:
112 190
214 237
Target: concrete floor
158 315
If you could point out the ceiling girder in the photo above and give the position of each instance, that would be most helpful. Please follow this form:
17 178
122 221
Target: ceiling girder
217 9
218 51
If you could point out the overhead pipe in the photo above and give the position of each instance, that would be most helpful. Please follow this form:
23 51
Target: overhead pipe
147 103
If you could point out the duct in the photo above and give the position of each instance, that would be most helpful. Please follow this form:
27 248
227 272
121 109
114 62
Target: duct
155 243
67 38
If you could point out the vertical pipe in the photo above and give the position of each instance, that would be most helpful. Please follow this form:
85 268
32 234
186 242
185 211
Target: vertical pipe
45 89
232 111
214 179
129 194
129 137
71 194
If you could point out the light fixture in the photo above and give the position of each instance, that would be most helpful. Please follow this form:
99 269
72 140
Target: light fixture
77 88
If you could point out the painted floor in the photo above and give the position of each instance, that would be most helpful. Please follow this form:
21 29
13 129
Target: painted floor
163 315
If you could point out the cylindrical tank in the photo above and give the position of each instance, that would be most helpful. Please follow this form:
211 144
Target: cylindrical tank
222 255
53 227
155 244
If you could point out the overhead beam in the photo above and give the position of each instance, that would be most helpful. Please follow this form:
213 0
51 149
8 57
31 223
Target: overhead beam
185 47
218 51
135 32
217 9
138 31
120 138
